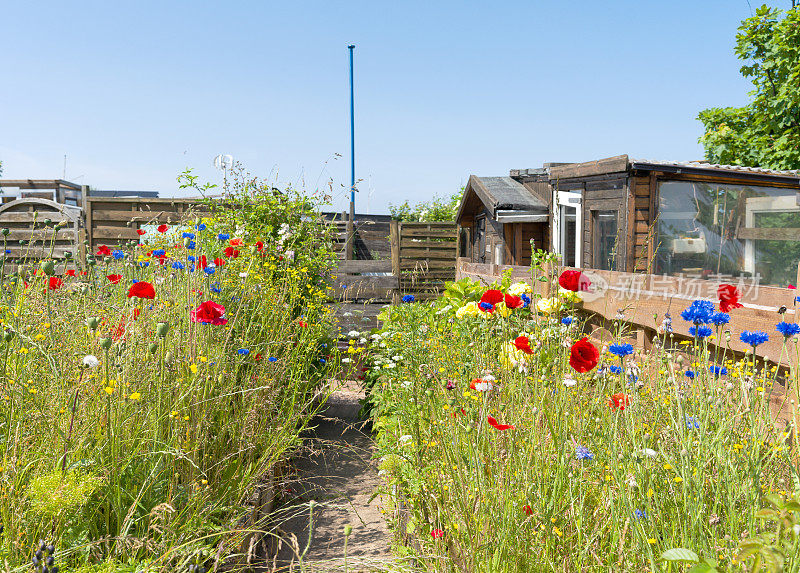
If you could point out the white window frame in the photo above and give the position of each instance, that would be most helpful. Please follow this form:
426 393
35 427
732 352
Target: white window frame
568 199
753 205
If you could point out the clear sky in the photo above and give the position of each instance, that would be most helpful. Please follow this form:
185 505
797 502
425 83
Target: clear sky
135 92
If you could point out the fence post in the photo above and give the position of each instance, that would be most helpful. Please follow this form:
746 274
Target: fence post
85 237
394 241
349 238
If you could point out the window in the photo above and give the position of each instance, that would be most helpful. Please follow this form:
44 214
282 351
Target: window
725 231
479 240
604 239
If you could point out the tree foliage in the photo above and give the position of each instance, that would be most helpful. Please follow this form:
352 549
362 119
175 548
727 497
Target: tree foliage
766 131
437 209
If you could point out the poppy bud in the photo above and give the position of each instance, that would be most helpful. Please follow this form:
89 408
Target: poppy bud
169 358
8 335
5 231
93 322
161 329
48 222
84 290
152 347
68 255
48 268
105 343
348 529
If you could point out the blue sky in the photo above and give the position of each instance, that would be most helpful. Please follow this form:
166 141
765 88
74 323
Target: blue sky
135 92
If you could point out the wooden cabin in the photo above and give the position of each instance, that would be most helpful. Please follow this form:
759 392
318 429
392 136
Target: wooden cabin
498 217
692 219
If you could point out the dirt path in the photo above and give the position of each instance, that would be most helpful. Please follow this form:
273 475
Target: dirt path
339 474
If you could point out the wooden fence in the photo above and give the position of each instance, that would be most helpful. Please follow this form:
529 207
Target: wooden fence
643 300
423 256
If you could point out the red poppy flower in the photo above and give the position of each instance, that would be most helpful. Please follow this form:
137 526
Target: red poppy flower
513 301
527 509
202 262
71 273
437 533
142 289
619 401
231 253
55 283
574 281
219 262
237 242
728 298
114 278
260 246
140 232
523 343
792 287
119 331
103 251
209 313
163 228
492 296
136 312
302 324
497 426
583 355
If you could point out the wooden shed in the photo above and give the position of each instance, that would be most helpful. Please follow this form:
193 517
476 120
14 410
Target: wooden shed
498 217
692 219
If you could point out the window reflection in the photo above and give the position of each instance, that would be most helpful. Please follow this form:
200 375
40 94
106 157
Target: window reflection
724 231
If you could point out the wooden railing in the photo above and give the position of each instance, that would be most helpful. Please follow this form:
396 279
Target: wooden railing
643 300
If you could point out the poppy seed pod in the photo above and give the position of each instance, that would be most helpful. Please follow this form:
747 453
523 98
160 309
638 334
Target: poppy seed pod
48 222
8 335
5 231
93 322
153 347
105 343
68 255
161 329
169 358
48 268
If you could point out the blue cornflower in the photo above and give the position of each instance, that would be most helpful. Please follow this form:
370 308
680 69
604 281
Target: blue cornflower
566 321
200 226
134 281
718 370
209 270
322 360
632 378
692 423
583 453
526 300
177 265
187 235
117 254
191 269
216 288
8 251
273 359
159 253
689 374
639 514
408 298
615 369
144 264
788 328
243 351
190 258
667 322
753 338
191 245
720 318
487 306
223 236
700 331
699 312
621 350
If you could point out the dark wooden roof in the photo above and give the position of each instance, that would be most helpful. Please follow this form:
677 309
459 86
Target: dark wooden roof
501 193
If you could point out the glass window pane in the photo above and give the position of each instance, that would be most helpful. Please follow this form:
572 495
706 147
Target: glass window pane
726 231
605 239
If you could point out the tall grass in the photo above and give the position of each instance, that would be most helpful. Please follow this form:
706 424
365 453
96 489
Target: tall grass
578 483
132 434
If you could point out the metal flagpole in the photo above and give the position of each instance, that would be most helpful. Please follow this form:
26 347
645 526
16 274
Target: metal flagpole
351 225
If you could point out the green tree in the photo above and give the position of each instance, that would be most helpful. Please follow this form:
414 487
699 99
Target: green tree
437 209
766 131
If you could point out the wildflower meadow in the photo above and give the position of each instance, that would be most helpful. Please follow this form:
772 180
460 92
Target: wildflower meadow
146 394
510 440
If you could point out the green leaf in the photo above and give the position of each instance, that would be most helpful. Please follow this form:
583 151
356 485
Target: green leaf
700 568
680 554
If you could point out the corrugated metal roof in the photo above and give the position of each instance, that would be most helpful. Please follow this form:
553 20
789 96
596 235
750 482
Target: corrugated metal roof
715 167
508 193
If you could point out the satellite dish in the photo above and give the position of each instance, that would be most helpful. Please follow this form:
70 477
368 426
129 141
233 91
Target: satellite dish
223 162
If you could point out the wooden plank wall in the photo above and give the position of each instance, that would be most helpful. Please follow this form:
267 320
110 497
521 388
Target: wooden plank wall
427 257
638 297
643 196
114 221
